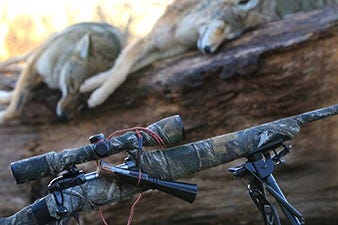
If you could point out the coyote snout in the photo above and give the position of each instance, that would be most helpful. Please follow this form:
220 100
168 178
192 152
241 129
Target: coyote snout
63 62
72 75
211 36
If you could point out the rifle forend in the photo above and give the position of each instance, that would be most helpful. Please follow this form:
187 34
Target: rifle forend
200 155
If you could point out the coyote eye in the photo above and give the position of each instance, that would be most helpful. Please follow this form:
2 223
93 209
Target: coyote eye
243 2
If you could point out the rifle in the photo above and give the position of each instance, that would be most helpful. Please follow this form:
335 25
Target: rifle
161 167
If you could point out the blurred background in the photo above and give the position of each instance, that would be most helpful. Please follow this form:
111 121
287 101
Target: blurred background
25 24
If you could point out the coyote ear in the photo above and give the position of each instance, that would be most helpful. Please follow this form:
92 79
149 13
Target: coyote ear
246 5
83 47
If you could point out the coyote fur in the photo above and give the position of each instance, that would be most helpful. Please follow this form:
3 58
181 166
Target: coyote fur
185 24
63 62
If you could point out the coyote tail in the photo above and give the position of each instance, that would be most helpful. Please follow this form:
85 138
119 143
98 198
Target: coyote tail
15 60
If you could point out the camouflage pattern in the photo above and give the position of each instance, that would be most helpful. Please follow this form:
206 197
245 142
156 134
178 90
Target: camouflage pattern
23 217
170 130
92 195
176 162
86 197
190 158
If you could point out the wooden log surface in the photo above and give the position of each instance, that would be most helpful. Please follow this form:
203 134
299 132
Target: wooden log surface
279 69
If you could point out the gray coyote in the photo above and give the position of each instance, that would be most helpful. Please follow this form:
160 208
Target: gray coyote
63 62
185 24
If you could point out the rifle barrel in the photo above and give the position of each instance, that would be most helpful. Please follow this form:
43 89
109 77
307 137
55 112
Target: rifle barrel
317 114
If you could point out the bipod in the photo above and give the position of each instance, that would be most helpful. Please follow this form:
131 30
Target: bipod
259 168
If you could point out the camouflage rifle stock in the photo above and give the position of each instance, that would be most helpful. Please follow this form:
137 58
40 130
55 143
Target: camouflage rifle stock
170 164
193 157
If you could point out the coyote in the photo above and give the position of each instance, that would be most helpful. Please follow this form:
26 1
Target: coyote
63 62
185 24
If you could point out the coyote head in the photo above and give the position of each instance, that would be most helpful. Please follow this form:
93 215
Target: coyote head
236 16
76 69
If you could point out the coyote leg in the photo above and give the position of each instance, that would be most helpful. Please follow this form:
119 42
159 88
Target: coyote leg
114 80
98 80
94 82
27 81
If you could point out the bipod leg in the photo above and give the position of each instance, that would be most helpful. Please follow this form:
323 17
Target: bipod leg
295 217
257 193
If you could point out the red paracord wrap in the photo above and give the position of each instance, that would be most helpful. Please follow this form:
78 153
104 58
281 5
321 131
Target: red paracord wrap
160 144
156 137
102 217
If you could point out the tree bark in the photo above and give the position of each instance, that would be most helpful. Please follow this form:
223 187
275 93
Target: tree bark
279 69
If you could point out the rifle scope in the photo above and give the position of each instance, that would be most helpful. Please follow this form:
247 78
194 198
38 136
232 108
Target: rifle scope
170 129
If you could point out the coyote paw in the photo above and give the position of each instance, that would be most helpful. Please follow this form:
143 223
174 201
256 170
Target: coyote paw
5 97
94 82
97 97
3 117
89 85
